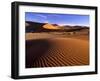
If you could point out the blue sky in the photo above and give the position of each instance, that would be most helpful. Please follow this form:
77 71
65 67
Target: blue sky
60 19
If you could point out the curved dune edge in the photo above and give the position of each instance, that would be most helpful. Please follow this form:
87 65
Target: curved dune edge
57 52
50 26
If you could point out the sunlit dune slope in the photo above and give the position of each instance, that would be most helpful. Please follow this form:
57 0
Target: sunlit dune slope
50 26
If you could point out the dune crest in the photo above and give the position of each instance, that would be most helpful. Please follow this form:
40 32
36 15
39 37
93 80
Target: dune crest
50 26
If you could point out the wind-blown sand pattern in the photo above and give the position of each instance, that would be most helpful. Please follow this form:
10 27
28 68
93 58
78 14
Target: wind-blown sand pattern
58 51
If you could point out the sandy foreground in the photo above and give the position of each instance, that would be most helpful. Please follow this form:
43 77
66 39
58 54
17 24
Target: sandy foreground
53 50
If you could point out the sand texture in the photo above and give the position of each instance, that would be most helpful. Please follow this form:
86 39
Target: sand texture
54 52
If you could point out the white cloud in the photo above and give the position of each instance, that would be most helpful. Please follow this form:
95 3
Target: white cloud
43 16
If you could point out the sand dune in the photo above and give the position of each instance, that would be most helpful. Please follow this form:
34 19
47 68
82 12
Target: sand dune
51 45
50 26
53 52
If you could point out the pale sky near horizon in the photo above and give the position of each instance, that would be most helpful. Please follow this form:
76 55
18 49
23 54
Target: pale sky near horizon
60 19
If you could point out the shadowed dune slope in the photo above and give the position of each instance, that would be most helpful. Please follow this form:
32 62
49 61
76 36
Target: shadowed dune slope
56 52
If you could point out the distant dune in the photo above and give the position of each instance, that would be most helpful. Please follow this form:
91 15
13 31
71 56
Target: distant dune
47 27
56 52
51 27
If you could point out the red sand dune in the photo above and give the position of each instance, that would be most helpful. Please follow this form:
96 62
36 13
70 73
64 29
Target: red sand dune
56 52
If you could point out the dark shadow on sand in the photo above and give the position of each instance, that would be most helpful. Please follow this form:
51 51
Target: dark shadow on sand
35 49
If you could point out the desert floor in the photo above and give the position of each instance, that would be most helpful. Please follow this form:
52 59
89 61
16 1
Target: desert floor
56 49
